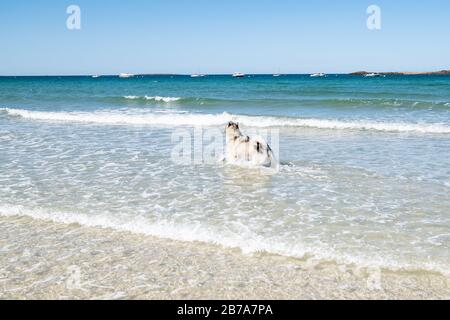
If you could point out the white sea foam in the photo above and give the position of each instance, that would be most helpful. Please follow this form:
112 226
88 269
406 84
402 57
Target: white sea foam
247 241
196 119
154 98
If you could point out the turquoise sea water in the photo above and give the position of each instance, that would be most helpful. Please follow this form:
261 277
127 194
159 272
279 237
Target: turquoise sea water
364 175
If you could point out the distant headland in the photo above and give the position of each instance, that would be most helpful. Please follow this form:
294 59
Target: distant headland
364 73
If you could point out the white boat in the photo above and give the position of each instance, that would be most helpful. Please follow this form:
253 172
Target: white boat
196 75
95 76
371 75
320 74
126 75
238 75
277 75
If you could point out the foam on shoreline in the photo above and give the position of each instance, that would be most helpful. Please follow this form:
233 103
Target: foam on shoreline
196 119
247 244
60 261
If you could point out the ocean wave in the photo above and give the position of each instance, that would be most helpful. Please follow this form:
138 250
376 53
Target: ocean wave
247 242
375 103
199 101
197 119
154 98
292 102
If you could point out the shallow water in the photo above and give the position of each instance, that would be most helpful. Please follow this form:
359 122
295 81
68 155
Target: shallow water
364 175
47 260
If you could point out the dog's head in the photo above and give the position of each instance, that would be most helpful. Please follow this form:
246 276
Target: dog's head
233 125
233 128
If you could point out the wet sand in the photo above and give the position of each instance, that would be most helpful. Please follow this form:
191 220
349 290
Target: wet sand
47 260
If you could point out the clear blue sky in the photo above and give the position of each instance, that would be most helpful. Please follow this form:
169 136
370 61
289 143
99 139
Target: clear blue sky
222 36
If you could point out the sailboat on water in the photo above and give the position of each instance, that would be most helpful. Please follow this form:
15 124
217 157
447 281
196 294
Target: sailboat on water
372 75
238 75
126 75
277 74
315 75
197 75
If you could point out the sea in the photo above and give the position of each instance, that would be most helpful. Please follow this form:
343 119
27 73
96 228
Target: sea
363 175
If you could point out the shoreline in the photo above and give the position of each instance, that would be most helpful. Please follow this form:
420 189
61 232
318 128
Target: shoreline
48 260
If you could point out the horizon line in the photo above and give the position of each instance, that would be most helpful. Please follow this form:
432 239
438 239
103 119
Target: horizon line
227 74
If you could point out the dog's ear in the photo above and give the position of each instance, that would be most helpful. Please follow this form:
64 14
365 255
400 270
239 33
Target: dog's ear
237 125
258 146
230 124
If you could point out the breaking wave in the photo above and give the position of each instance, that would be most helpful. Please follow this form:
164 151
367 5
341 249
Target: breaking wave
155 98
289 102
197 119
248 242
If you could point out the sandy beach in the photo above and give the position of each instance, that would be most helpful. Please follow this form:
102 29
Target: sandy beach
47 260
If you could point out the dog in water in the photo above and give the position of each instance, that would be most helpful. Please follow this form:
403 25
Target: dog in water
242 148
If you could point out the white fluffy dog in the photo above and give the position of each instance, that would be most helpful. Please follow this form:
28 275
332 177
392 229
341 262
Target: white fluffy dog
243 149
